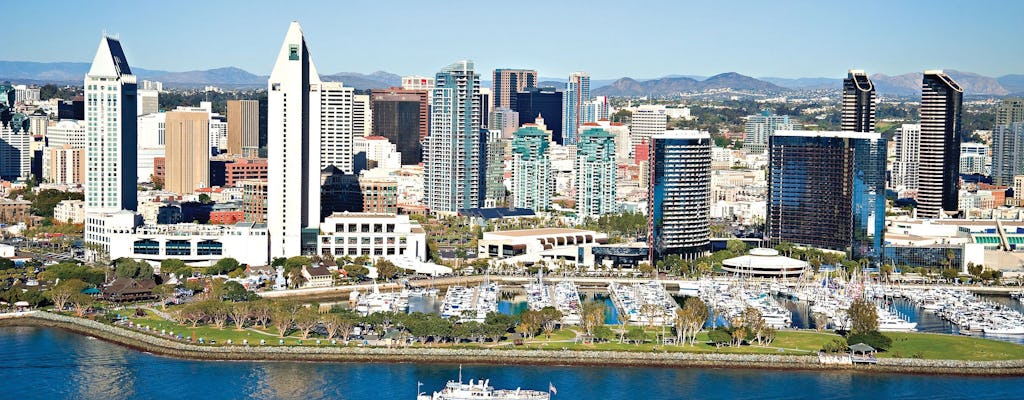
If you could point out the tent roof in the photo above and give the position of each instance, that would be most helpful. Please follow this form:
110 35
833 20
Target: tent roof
861 348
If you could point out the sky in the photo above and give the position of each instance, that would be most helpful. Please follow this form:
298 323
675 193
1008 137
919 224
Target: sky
608 39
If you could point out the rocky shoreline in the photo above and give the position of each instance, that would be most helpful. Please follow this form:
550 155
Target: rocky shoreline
170 348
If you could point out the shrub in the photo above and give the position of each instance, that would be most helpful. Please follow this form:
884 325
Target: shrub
874 339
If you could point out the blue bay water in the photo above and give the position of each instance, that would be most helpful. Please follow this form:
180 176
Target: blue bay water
40 363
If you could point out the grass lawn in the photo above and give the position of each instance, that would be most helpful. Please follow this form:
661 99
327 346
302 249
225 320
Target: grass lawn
951 347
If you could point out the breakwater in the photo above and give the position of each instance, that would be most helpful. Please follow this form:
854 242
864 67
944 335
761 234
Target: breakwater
172 348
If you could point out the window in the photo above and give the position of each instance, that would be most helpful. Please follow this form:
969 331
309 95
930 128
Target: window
147 246
293 52
179 248
210 248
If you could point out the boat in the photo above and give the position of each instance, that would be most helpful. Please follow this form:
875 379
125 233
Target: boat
481 390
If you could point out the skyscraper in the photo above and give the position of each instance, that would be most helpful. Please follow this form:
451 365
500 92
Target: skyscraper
451 155
337 126
595 109
293 130
531 169
545 102
595 174
111 131
362 115
1009 111
187 159
1007 153
492 168
504 120
826 190
759 127
508 82
939 177
679 195
403 117
648 120
858 115
905 170
577 93
243 127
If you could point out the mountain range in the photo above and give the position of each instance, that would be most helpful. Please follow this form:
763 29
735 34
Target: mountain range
230 77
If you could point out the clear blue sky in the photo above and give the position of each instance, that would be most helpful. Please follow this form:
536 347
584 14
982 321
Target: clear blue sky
609 39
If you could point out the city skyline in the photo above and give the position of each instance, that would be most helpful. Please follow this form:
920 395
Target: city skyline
678 49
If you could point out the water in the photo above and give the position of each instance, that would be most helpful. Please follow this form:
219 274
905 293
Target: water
43 363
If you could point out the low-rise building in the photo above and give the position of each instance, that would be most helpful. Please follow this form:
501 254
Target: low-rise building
254 200
15 211
69 211
244 169
317 276
373 235
505 244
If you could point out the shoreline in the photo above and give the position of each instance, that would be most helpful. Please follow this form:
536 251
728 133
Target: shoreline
169 348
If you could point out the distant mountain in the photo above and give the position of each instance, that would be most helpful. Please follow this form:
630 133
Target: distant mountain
675 85
227 76
1012 83
806 83
55 72
910 84
375 80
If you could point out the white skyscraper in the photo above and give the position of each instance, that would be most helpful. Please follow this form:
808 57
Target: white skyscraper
908 157
648 120
293 131
451 152
362 116
111 134
336 123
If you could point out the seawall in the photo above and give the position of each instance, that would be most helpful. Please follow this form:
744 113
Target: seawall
171 348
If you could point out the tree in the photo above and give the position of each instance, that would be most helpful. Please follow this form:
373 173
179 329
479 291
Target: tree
645 269
754 324
240 314
295 278
592 316
636 335
820 321
603 332
306 320
165 293
223 266
62 294
283 317
549 317
863 317
6 263
81 303
975 270
261 311
176 267
386 269
719 337
690 319
234 291
218 312
205 198
874 339
357 272
128 268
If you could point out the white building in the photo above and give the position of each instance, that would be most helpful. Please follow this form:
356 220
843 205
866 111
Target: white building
69 211
974 158
293 129
516 243
362 116
451 152
415 82
66 132
111 133
623 142
336 124
372 235
908 158
758 128
648 120
378 150
195 244
148 101
25 94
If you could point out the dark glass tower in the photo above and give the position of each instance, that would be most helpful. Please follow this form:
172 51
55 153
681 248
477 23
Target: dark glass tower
546 102
679 195
939 176
868 167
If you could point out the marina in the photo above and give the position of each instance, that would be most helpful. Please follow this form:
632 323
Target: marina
378 302
470 303
563 296
644 303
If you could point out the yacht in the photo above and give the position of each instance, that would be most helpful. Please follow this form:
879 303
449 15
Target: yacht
482 390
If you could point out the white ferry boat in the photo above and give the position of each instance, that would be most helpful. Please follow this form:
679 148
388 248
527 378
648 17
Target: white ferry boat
481 389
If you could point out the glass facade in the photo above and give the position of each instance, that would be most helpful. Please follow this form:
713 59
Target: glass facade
868 198
916 256
680 195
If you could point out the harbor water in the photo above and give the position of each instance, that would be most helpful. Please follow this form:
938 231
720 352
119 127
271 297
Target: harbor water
42 363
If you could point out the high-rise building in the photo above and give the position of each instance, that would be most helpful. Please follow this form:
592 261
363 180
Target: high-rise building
380 194
337 125
906 167
759 127
492 168
595 109
541 102
504 120
243 128
827 190
293 129
15 152
254 200
508 82
679 195
111 131
531 169
403 117
149 101
64 165
187 159
1007 153
1009 111
858 114
415 82
577 93
451 152
648 120
939 176
362 115
974 158
485 107
595 174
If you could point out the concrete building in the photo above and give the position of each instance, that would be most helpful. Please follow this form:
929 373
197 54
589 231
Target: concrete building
152 140
372 235
403 117
293 126
64 165
149 101
69 211
243 128
577 93
187 159
906 167
492 168
765 263
679 195
376 151
15 153
531 169
243 169
415 82
623 143
362 115
505 120
1010 110
647 121
596 109
1007 152
337 126
506 83
254 200
974 158
380 194
111 131
595 174
759 128
537 242
451 151
66 132
14 212
939 176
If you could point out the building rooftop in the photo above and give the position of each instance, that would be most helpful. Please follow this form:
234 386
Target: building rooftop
682 134
829 134
542 232
347 214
